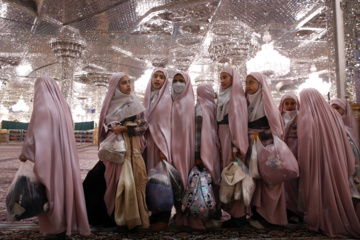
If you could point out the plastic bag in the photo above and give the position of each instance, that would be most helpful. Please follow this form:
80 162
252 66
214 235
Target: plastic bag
253 164
112 149
163 188
276 162
247 185
199 199
26 196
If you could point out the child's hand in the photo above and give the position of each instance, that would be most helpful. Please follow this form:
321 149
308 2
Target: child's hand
236 155
162 156
119 129
22 158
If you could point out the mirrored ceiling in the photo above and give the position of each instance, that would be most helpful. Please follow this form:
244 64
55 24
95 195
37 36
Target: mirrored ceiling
85 41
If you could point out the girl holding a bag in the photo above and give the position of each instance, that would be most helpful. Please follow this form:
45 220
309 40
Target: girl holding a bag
231 116
264 121
122 114
156 140
50 145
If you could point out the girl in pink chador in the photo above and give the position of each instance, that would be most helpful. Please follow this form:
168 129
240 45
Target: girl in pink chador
231 116
121 106
289 108
264 121
326 163
156 140
352 130
182 137
50 144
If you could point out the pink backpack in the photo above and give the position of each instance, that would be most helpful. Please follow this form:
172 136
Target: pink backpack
198 200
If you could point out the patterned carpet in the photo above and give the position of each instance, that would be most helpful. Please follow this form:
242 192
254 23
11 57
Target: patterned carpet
28 229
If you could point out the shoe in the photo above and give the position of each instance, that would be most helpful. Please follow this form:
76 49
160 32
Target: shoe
256 224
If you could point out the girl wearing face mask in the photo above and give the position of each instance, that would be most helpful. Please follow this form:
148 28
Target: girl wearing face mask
158 104
182 137
121 106
264 120
231 116
289 108
343 107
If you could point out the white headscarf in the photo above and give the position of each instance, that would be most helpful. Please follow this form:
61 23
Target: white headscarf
223 99
122 106
256 105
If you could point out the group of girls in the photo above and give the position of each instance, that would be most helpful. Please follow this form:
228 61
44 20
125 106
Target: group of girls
213 135
169 126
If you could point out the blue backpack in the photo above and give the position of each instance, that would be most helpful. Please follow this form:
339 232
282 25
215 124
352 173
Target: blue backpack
198 200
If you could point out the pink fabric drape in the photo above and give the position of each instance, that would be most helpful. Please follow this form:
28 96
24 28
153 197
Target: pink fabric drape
270 200
291 139
351 125
50 144
158 137
326 162
209 151
112 170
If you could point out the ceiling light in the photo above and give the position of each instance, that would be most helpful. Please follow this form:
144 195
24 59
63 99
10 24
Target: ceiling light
268 61
20 106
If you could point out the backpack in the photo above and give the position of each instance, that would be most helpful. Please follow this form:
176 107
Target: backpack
198 200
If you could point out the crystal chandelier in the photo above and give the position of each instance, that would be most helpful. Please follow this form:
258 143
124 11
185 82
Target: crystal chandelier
315 82
20 106
268 61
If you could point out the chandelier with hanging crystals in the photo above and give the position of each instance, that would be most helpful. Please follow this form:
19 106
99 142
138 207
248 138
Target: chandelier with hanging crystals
268 61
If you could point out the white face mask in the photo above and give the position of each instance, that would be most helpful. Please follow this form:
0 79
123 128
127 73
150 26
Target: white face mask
178 87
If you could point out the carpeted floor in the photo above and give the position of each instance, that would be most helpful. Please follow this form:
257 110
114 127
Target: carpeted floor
28 229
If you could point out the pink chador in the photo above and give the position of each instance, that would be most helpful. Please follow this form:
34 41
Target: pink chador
206 139
326 161
50 144
117 106
291 139
232 130
263 115
158 104
183 139
352 130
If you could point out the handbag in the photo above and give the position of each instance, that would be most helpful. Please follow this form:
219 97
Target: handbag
276 162
230 177
199 200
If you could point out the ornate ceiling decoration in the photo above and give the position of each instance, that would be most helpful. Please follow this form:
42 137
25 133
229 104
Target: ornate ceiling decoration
133 36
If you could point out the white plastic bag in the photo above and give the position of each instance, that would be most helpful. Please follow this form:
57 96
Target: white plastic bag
253 164
114 143
247 185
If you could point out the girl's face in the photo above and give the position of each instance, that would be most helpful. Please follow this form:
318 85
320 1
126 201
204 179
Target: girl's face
252 85
158 80
178 78
289 104
225 80
124 84
338 108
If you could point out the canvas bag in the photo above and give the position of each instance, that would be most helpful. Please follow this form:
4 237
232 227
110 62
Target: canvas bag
276 162
198 200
